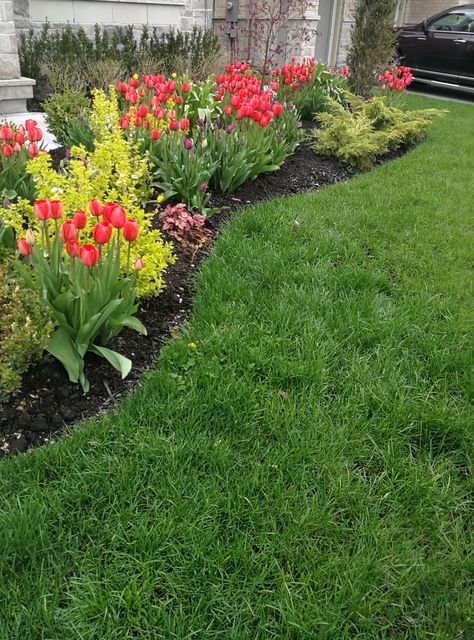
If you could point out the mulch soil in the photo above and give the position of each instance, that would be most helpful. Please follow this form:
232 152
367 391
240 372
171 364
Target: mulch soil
47 404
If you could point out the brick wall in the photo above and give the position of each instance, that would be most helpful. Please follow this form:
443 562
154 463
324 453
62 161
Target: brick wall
417 10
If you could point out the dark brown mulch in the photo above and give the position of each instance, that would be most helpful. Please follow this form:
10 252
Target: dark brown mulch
47 403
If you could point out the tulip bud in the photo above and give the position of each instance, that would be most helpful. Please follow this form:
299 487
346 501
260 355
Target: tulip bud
89 254
102 232
118 217
68 231
42 209
56 208
72 248
80 219
130 230
6 203
23 247
203 187
107 210
30 237
95 208
138 264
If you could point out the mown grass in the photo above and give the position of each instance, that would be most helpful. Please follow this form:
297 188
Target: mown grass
305 471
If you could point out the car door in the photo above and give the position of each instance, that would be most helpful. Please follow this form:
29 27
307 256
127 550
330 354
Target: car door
442 51
466 68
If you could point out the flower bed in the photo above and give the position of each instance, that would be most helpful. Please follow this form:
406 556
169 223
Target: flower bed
162 153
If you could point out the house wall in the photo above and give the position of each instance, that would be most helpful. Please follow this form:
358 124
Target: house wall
414 11
181 14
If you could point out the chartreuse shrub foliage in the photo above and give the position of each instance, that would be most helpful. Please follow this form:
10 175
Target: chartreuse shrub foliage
363 130
114 171
62 112
25 329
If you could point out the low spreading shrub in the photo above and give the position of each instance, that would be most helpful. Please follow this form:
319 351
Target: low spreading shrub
25 330
186 228
358 134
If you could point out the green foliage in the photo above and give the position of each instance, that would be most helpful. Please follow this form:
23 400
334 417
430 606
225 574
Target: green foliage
372 43
89 305
25 329
181 172
82 56
358 134
66 119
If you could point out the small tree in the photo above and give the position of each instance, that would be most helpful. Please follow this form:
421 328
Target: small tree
275 28
373 42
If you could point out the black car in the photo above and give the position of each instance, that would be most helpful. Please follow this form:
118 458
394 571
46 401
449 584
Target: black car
441 48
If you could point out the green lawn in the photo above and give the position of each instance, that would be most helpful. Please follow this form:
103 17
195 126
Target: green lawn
304 472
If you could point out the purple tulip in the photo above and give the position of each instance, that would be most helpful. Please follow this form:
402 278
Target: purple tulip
188 144
229 128
6 203
68 154
200 122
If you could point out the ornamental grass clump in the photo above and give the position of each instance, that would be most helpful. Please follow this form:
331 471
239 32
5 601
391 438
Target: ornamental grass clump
89 297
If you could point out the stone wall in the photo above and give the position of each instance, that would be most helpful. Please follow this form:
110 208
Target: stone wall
181 14
14 90
9 65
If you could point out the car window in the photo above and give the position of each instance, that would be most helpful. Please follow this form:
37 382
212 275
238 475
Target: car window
459 20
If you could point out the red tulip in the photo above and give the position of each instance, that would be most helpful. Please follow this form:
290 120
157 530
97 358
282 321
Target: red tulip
56 208
138 264
72 248
7 150
89 254
118 217
107 210
179 100
184 124
16 147
68 231
227 110
142 111
6 132
23 247
155 134
33 150
277 109
102 232
30 124
42 209
80 219
186 87
95 208
20 137
124 122
130 230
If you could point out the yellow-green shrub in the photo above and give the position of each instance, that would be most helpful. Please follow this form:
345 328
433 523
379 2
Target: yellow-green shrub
368 129
25 329
114 171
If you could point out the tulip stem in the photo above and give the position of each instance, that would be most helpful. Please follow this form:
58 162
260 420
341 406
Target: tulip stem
118 247
128 257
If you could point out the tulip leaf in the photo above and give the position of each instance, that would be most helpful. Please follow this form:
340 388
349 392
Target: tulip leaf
128 321
119 362
63 349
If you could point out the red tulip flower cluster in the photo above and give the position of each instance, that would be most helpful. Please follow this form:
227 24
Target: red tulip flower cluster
242 93
14 140
150 100
295 75
113 217
395 79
